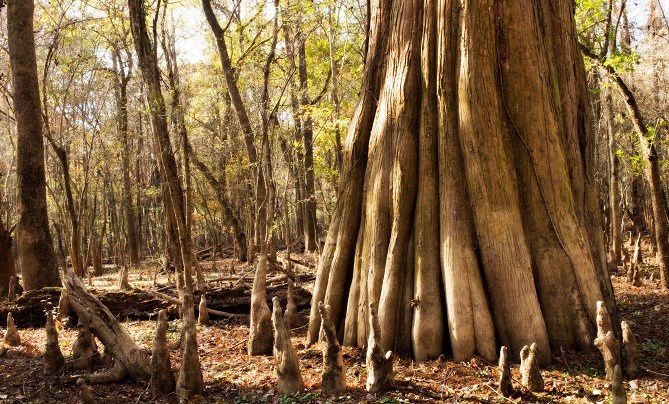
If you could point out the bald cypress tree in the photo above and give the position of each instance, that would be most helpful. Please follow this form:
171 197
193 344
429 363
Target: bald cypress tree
477 225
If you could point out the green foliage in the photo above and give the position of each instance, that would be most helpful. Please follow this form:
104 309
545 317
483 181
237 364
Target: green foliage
589 15
622 61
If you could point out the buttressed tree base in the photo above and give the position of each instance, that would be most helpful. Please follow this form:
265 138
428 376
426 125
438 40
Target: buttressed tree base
473 148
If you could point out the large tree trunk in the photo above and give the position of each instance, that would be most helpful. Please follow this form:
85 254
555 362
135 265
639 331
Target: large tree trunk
476 165
36 256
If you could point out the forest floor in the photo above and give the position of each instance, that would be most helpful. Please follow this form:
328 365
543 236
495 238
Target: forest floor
232 376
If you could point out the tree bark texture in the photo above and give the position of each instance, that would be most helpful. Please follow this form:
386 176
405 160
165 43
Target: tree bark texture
478 225
129 359
36 256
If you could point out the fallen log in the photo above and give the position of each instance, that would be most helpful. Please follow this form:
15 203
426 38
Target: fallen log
285 269
174 300
136 304
299 267
128 357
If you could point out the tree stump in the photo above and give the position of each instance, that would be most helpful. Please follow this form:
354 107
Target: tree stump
63 307
603 319
609 346
504 382
203 314
162 378
606 342
631 349
123 278
260 330
334 376
53 357
85 392
129 359
379 366
618 394
12 337
189 382
289 378
529 369
85 352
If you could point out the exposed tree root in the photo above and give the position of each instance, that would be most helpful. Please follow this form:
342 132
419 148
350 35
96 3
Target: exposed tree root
85 392
260 330
334 375
12 337
189 382
13 286
123 279
606 341
84 350
63 307
291 308
289 378
618 394
113 375
53 357
379 366
529 369
504 381
631 349
203 314
162 378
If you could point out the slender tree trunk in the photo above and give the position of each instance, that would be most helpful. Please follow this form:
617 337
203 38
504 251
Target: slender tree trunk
244 122
121 93
239 238
615 216
300 101
651 170
172 189
310 222
332 35
75 236
36 256
179 124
